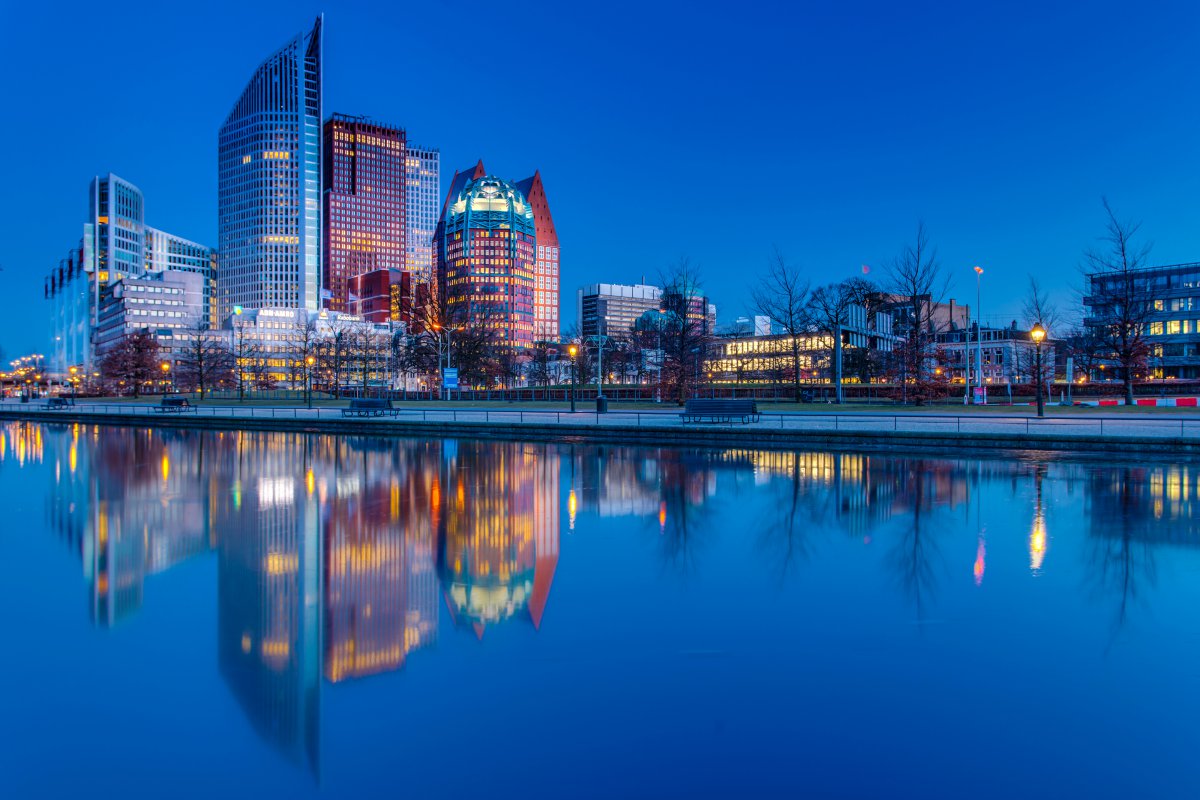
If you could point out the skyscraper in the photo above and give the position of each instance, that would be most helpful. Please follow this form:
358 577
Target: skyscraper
364 196
423 180
269 184
545 292
485 249
611 309
117 244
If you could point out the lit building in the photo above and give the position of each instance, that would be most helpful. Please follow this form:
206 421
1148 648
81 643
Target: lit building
423 196
612 308
167 252
364 196
165 304
1172 324
1009 354
752 359
116 244
546 280
485 251
687 302
383 295
269 184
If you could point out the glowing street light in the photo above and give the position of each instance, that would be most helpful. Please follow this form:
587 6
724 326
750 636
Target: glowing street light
573 350
1038 334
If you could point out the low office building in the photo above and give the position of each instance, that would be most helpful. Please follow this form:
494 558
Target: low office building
1172 322
382 295
775 358
613 308
166 304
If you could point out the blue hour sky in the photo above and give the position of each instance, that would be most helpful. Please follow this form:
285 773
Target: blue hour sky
661 130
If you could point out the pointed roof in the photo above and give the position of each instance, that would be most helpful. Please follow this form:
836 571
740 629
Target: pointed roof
458 182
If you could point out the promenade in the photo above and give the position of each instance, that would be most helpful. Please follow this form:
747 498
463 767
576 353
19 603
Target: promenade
1178 431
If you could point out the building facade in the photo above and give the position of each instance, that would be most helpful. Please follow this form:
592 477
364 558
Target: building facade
167 305
485 250
546 267
116 245
422 200
611 309
167 252
364 203
1009 355
383 295
1171 320
269 184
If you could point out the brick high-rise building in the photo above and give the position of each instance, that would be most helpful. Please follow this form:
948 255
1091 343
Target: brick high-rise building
546 281
364 199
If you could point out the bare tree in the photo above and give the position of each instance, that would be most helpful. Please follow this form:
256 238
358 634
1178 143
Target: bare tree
1119 297
246 359
302 345
782 296
133 362
829 309
685 336
204 360
918 286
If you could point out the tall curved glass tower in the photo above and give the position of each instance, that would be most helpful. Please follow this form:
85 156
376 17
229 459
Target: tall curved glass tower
484 247
269 184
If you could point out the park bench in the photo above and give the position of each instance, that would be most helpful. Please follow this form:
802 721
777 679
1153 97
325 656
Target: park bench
698 409
369 407
174 405
57 404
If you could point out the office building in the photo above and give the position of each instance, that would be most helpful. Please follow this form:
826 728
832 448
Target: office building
269 184
116 245
422 200
613 308
364 203
383 295
546 281
485 249
166 304
1171 323
167 252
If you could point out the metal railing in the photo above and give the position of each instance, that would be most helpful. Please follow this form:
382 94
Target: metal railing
1187 427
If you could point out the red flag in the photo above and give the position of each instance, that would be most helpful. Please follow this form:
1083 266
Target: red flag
866 269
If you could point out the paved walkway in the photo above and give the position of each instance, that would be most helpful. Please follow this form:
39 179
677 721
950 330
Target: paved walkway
1172 426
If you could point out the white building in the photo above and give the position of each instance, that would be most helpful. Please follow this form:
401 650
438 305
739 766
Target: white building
422 205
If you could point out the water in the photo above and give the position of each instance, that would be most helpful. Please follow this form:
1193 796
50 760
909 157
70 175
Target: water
224 614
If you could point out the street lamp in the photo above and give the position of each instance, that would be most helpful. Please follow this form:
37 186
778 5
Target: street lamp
1038 334
308 364
574 351
166 371
73 380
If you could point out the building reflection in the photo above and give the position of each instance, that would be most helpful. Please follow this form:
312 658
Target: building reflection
334 555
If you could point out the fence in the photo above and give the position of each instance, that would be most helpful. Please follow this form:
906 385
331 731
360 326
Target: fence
816 422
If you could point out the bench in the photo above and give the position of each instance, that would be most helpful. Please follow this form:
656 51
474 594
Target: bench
174 405
57 404
370 407
720 410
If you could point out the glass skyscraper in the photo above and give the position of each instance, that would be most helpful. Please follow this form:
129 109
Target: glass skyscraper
269 184
423 172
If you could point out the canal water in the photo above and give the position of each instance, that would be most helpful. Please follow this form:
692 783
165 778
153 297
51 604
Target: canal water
226 614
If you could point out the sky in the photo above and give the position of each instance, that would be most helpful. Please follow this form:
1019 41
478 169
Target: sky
715 132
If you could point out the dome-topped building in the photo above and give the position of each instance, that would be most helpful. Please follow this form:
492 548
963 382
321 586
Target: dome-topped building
485 251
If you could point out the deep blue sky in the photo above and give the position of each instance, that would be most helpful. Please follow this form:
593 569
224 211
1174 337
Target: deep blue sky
661 130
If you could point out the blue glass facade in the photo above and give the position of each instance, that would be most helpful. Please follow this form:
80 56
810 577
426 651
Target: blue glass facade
269 184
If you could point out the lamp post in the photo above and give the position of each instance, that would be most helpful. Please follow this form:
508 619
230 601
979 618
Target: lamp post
1038 334
73 370
308 365
166 371
574 351
979 329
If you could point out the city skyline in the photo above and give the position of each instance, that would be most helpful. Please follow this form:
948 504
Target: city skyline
1004 174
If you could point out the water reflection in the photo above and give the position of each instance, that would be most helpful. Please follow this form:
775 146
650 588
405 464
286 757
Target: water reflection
335 555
